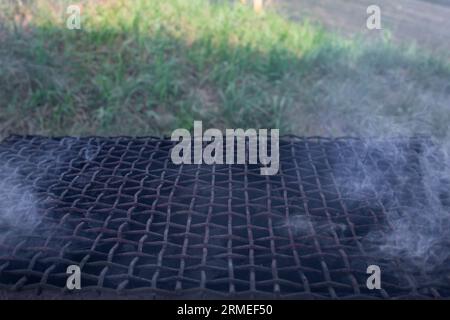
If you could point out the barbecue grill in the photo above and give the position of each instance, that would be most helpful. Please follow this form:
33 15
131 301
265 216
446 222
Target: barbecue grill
138 225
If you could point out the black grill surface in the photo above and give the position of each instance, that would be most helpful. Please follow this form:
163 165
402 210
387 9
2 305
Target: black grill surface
140 226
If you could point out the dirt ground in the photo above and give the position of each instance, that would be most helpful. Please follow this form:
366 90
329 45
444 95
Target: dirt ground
424 22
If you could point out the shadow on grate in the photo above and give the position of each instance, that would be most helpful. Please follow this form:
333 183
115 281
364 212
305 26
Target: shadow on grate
140 226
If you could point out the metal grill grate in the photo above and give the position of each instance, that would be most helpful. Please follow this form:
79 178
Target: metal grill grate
140 226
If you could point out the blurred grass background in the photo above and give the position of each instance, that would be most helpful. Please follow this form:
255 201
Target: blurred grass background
146 67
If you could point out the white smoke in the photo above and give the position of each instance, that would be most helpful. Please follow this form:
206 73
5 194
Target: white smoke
420 226
19 199
388 100
18 213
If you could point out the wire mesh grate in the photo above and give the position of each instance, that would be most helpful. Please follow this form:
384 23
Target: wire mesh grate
140 226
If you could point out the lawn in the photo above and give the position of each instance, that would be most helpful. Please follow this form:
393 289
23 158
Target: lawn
148 67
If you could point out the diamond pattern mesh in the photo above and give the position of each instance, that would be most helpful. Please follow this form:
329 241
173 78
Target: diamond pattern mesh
140 226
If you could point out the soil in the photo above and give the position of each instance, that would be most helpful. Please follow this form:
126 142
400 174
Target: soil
425 23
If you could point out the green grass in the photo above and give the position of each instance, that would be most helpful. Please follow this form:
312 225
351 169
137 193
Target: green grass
148 67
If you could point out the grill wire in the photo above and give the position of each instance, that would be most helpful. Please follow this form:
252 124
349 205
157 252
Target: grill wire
140 226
